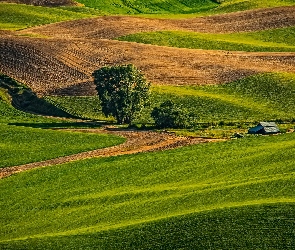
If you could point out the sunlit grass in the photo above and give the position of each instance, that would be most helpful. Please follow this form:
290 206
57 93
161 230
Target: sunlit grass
19 16
97 196
277 40
252 99
20 143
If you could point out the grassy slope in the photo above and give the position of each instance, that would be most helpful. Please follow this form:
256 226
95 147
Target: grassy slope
240 5
22 144
203 7
259 97
263 96
172 191
277 40
87 107
219 229
19 16
150 6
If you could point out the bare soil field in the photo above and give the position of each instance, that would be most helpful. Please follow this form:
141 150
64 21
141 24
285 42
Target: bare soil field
62 64
51 66
137 141
245 21
109 27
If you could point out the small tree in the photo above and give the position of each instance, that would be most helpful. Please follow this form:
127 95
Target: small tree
123 91
169 115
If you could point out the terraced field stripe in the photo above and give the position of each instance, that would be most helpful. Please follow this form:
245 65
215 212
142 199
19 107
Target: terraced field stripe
232 99
104 228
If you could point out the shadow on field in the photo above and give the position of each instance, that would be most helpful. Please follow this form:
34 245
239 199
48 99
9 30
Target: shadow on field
24 99
60 125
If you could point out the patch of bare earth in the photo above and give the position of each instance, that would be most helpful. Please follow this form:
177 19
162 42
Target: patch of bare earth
109 27
58 66
244 21
136 142
63 63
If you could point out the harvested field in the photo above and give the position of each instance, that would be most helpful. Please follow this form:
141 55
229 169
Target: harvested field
50 65
245 21
63 63
137 141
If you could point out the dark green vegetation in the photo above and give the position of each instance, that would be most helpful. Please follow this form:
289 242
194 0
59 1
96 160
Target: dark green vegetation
276 40
171 115
123 91
163 200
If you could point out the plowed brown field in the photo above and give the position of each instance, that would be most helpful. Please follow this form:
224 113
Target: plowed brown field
114 26
63 63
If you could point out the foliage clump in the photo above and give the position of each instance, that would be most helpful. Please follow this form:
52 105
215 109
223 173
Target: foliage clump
169 115
123 91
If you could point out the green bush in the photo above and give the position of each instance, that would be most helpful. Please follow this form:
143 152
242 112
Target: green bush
169 115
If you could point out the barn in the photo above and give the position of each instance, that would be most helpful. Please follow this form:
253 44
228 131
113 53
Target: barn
264 128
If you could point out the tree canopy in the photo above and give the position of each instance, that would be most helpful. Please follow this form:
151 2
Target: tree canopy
123 91
169 115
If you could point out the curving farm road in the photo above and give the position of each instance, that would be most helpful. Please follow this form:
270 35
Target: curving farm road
136 142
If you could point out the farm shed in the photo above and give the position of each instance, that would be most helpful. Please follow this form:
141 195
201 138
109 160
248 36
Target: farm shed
265 128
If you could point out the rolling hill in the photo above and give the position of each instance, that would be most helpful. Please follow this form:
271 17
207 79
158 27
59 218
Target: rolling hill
68 54
175 199
232 194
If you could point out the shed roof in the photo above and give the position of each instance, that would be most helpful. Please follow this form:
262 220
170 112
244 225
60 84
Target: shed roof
264 128
268 124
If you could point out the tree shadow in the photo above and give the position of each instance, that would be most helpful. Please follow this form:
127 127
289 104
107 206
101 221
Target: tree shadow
24 99
62 125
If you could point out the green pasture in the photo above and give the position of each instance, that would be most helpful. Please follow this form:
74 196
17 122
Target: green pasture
252 99
19 16
236 194
87 107
217 229
262 96
20 145
170 8
24 139
240 5
276 40
150 6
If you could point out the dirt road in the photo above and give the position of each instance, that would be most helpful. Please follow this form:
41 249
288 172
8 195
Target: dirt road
136 142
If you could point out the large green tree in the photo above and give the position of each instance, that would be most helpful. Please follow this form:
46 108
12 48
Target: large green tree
123 91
